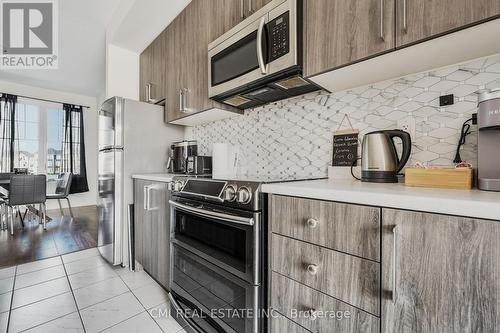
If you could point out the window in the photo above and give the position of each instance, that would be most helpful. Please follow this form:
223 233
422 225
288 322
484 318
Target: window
39 133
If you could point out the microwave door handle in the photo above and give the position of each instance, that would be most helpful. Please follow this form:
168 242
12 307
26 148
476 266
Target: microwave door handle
260 55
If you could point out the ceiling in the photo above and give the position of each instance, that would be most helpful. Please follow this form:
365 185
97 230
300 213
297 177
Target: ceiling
135 25
82 52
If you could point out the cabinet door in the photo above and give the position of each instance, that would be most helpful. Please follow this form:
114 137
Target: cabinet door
194 48
158 68
173 67
145 71
228 12
160 237
439 273
340 32
421 19
141 220
255 5
152 70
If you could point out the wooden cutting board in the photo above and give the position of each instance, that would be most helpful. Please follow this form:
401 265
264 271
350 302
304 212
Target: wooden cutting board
449 178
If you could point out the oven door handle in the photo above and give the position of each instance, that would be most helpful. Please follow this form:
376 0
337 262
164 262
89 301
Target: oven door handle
215 215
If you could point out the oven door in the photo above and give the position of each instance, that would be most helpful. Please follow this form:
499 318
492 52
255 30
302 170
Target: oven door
227 238
208 299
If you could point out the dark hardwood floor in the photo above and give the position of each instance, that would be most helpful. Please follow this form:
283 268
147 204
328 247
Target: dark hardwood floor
63 235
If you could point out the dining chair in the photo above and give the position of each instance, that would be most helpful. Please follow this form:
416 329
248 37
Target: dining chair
4 176
62 191
27 190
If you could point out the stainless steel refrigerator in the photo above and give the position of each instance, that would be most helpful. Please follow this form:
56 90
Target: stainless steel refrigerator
133 138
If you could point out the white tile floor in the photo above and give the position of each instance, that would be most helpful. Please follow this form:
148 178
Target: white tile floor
80 292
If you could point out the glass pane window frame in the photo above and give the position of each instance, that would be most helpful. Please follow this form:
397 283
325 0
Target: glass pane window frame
43 127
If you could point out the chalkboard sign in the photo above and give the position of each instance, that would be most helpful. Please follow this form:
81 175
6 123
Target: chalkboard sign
345 148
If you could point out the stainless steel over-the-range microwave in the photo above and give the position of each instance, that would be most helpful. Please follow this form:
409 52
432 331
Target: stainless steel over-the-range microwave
260 60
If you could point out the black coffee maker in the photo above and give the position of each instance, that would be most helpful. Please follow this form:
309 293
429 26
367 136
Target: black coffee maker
179 153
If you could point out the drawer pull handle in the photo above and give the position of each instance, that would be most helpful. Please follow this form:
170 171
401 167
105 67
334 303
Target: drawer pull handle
312 269
312 223
313 314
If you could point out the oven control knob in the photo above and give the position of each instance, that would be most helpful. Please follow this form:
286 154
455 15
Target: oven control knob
229 193
178 186
244 195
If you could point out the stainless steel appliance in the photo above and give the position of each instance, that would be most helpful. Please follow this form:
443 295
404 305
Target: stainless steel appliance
260 60
125 148
219 254
179 152
380 162
488 141
199 165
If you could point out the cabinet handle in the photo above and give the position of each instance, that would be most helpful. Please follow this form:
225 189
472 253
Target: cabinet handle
405 18
382 20
250 10
312 223
312 269
181 100
146 192
184 100
394 262
148 92
242 9
313 314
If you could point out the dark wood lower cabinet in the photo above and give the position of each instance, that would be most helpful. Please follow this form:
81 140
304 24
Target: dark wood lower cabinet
351 279
280 324
439 273
318 312
152 229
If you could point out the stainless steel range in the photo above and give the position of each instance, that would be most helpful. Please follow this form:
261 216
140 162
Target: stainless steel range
219 255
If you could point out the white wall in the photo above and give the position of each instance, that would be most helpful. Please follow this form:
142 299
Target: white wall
122 72
91 133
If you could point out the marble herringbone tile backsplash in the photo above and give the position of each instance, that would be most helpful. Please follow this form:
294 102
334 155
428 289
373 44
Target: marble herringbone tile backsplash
294 137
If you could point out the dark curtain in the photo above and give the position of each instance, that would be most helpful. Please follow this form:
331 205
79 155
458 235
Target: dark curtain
7 131
73 155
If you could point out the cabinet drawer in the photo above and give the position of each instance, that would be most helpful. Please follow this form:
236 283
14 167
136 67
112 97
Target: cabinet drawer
280 324
298 302
347 228
353 280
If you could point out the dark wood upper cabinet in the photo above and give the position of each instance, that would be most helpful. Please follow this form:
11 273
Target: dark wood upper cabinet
145 72
422 19
176 63
152 70
439 273
340 32
255 5
172 64
225 15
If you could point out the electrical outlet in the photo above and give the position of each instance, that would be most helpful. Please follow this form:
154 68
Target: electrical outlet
409 125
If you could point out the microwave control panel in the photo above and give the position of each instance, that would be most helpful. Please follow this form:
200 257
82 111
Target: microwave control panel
279 35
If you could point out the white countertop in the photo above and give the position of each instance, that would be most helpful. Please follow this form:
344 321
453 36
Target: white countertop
155 177
475 203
